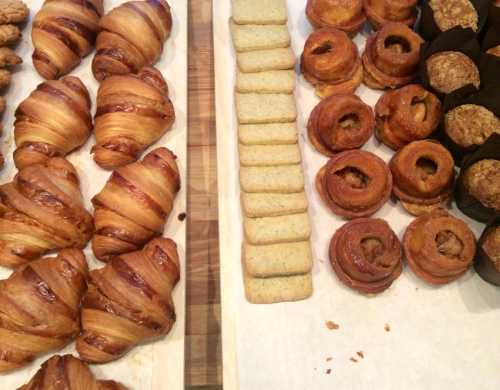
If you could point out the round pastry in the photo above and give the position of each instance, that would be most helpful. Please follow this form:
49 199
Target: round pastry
330 62
423 174
439 248
482 181
452 13
391 56
407 114
487 263
450 70
380 12
366 255
354 183
344 15
340 122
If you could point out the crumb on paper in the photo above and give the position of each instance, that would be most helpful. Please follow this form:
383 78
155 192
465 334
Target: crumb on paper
332 325
329 359
360 354
321 260
353 360
416 288
182 216
328 372
387 327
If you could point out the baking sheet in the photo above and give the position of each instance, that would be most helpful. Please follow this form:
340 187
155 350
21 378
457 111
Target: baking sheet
440 338
158 365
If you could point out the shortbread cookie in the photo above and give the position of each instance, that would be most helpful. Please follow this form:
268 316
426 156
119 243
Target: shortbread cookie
249 37
9 34
264 60
275 230
8 57
281 179
267 108
273 81
273 205
13 11
264 261
269 155
268 134
259 11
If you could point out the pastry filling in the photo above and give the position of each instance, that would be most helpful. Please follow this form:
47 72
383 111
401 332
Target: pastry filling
448 244
425 168
397 44
354 177
373 249
350 122
418 109
324 48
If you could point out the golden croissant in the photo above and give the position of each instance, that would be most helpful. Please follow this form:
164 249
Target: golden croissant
42 210
129 301
39 307
54 120
64 31
134 204
131 37
67 373
133 112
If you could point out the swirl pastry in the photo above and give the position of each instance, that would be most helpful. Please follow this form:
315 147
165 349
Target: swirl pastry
330 62
64 31
366 255
340 122
407 114
42 210
39 307
380 12
423 174
391 56
439 248
134 204
354 183
345 15
40 136
129 301
133 112
131 37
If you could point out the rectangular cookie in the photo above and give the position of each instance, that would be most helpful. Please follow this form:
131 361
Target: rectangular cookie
262 261
265 108
272 81
268 134
275 230
264 60
269 155
249 37
282 179
273 205
259 11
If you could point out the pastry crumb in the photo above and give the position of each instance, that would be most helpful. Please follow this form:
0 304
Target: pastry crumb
328 371
360 354
387 327
353 360
332 325
329 359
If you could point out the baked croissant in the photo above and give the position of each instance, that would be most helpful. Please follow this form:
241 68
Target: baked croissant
64 31
40 136
39 307
68 373
133 112
129 301
131 37
42 210
134 204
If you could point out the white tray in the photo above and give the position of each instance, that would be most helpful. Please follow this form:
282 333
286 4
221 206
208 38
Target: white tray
440 338
158 365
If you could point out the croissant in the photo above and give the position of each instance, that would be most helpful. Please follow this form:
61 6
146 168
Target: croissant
40 136
68 373
39 307
64 31
131 37
133 112
129 301
42 210
134 204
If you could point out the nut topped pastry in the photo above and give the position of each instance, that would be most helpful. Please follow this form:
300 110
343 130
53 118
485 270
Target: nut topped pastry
482 181
380 12
451 13
487 262
346 15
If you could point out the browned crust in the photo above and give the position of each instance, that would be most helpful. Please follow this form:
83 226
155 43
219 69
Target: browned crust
318 11
380 12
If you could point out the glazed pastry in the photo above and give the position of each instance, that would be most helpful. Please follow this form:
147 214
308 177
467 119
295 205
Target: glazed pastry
487 262
39 307
42 210
340 122
134 204
69 373
391 56
380 12
366 255
330 62
407 114
451 13
133 112
64 31
423 174
354 184
439 248
129 301
347 16
131 37
40 136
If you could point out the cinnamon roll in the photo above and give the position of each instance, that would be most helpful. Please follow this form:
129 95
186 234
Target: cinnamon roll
380 12
346 15
439 248
423 173
366 255
354 183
